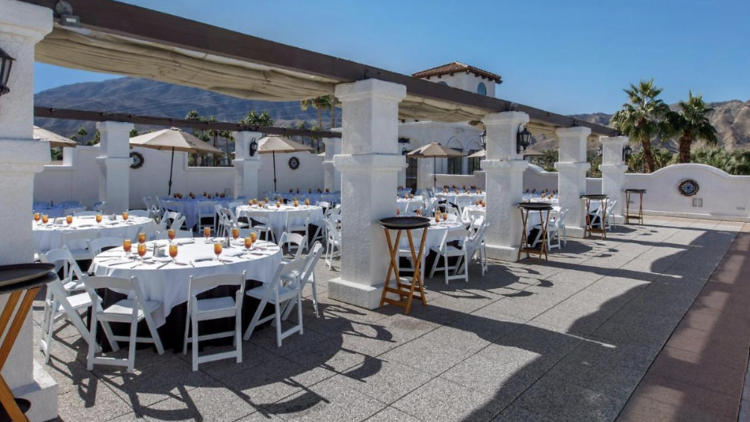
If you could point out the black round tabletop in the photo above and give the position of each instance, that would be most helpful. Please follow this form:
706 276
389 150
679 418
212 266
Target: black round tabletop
535 206
636 190
25 276
594 196
405 223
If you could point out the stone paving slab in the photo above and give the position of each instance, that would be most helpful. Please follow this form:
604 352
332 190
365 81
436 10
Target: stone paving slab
565 340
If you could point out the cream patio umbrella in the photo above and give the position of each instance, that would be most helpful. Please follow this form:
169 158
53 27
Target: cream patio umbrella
55 140
478 154
274 144
176 140
435 151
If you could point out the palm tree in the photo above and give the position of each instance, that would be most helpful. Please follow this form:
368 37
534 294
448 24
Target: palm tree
691 123
320 104
80 134
216 134
133 133
263 119
198 133
642 117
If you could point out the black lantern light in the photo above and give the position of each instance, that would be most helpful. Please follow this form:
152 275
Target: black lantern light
626 153
403 151
253 147
523 140
6 63
483 139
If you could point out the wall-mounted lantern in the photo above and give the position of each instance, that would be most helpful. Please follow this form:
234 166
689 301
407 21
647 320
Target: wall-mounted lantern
6 63
523 139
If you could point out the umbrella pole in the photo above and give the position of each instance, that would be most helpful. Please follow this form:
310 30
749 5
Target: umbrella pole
274 171
171 167
434 173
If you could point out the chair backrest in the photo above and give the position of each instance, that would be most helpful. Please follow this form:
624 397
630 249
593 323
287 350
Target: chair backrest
293 214
332 230
177 223
148 202
201 284
285 268
63 259
295 239
476 239
120 284
233 205
86 213
462 235
206 208
561 218
68 237
96 246
310 262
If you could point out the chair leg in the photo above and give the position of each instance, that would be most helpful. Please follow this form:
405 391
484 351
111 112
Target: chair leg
50 327
315 297
110 336
194 324
277 318
92 344
299 311
187 330
238 334
254 321
131 345
434 266
445 263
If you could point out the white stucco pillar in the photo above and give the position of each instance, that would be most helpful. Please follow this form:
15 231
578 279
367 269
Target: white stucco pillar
571 176
22 25
114 166
331 176
246 167
504 169
613 172
425 171
369 164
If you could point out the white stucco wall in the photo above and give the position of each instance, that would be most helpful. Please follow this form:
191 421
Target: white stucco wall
78 178
454 135
467 82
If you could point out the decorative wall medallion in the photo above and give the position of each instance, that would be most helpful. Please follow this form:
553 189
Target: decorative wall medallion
137 158
688 187
294 163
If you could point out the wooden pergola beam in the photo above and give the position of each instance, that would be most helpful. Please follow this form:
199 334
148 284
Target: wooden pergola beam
101 116
149 25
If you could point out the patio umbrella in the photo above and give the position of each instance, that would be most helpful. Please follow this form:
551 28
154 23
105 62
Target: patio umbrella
479 154
435 151
55 140
176 140
274 144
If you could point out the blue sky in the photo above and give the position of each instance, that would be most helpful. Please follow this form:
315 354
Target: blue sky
564 56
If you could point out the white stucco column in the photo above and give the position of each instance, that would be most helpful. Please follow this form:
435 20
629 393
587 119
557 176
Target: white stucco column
331 176
571 176
369 164
613 172
425 171
504 169
246 167
22 25
114 166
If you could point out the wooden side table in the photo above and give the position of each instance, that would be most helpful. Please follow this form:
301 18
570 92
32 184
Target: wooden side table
23 280
639 216
589 229
526 209
404 288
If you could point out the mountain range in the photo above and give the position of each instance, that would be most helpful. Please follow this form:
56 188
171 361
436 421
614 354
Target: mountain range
152 98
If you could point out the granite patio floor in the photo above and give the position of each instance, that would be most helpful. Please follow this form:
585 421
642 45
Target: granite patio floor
564 340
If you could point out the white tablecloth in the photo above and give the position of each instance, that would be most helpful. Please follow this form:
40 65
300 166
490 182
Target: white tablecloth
461 199
277 216
56 210
314 197
169 284
411 205
190 208
47 237
434 235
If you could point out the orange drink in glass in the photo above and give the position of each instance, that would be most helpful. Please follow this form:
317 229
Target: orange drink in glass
69 219
98 218
141 238
217 249
170 234
45 218
126 245
125 216
254 237
206 233
248 243
445 216
437 217
235 233
173 252
37 217
141 250
278 205
307 201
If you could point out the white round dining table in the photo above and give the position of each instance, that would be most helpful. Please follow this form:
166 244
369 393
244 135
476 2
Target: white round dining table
277 216
461 199
49 236
167 282
410 204
435 234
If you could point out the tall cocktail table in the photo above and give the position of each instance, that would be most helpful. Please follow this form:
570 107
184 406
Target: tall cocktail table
404 288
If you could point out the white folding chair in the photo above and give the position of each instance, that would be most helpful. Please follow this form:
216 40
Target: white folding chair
294 239
404 251
297 221
263 224
58 304
555 231
72 280
151 207
214 308
308 276
206 215
130 311
611 220
75 241
476 246
233 217
223 223
97 245
333 240
276 294
447 251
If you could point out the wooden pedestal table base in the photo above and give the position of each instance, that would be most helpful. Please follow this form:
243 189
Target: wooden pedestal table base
22 280
638 217
404 288
526 209
589 228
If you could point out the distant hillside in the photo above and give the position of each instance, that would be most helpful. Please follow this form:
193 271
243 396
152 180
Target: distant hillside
151 98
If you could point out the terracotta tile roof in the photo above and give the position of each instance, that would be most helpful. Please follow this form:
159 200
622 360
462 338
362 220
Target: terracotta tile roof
457 67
